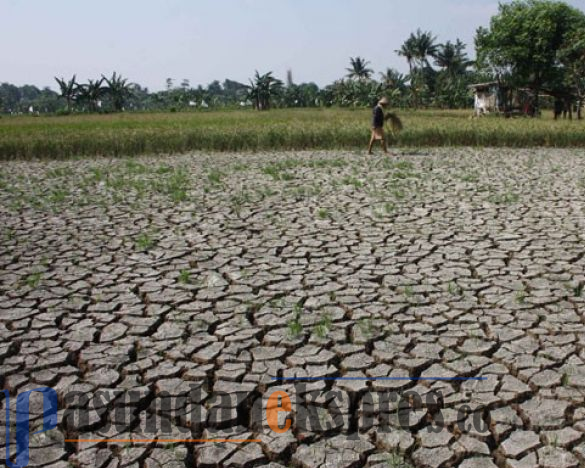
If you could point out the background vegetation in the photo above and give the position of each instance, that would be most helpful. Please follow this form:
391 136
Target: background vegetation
279 129
538 45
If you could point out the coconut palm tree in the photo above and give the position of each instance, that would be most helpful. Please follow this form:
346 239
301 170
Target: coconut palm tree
417 49
119 89
359 69
408 51
452 58
424 47
68 90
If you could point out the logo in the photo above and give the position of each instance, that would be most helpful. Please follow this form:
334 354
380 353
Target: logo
23 423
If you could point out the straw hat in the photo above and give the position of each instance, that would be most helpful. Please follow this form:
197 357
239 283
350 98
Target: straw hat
384 100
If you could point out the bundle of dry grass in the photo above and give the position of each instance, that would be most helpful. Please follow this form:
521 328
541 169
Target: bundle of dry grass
394 122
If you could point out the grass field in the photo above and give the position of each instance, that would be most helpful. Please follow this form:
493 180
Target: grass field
159 133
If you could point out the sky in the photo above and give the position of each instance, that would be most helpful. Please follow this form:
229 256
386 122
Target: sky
148 41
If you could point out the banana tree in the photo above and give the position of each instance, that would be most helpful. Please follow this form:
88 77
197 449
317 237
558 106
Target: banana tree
68 90
91 93
263 89
119 90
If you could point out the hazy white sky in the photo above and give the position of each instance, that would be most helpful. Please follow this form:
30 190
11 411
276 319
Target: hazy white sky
202 40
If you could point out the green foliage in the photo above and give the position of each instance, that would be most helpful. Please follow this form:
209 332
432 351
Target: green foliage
523 41
185 277
291 129
119 89
359 69
68 89
278 171
355 182
504 198
572 57
295 327
144 241
33 280
263 89
323 326
214 177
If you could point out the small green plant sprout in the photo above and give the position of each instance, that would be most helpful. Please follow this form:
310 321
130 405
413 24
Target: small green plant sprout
408 291
578 290
59 172
10 234
470 177
505 198
176 185
521 296
57 196
323 213
144 241
399 193
396 460
239 199
567 375
354 181
295 327
389 207
33 280
454 289
163 169
184 277
214 177
135 167
322 328
366 327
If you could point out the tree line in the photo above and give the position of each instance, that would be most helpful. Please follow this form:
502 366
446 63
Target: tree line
534 44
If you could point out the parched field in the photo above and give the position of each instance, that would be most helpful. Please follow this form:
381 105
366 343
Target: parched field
210 273
129 134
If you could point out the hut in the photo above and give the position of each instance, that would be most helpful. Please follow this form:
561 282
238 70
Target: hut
486 97
497 97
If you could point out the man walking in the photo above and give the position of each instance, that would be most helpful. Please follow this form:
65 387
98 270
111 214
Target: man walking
378 125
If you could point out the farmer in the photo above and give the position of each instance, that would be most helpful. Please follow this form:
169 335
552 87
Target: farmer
378 125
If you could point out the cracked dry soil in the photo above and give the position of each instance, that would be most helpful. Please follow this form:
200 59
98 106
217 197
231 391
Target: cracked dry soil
220 272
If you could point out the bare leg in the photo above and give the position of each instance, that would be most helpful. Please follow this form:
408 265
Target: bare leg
371 144
384 146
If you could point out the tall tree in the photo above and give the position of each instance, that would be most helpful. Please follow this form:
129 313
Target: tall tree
359 68
408 51
425 47
68 90
525 38
452 58
572 56
92 92
119 89
417 49
263 89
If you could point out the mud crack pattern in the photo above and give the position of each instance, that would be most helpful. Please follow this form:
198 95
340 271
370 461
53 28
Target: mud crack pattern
219 272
